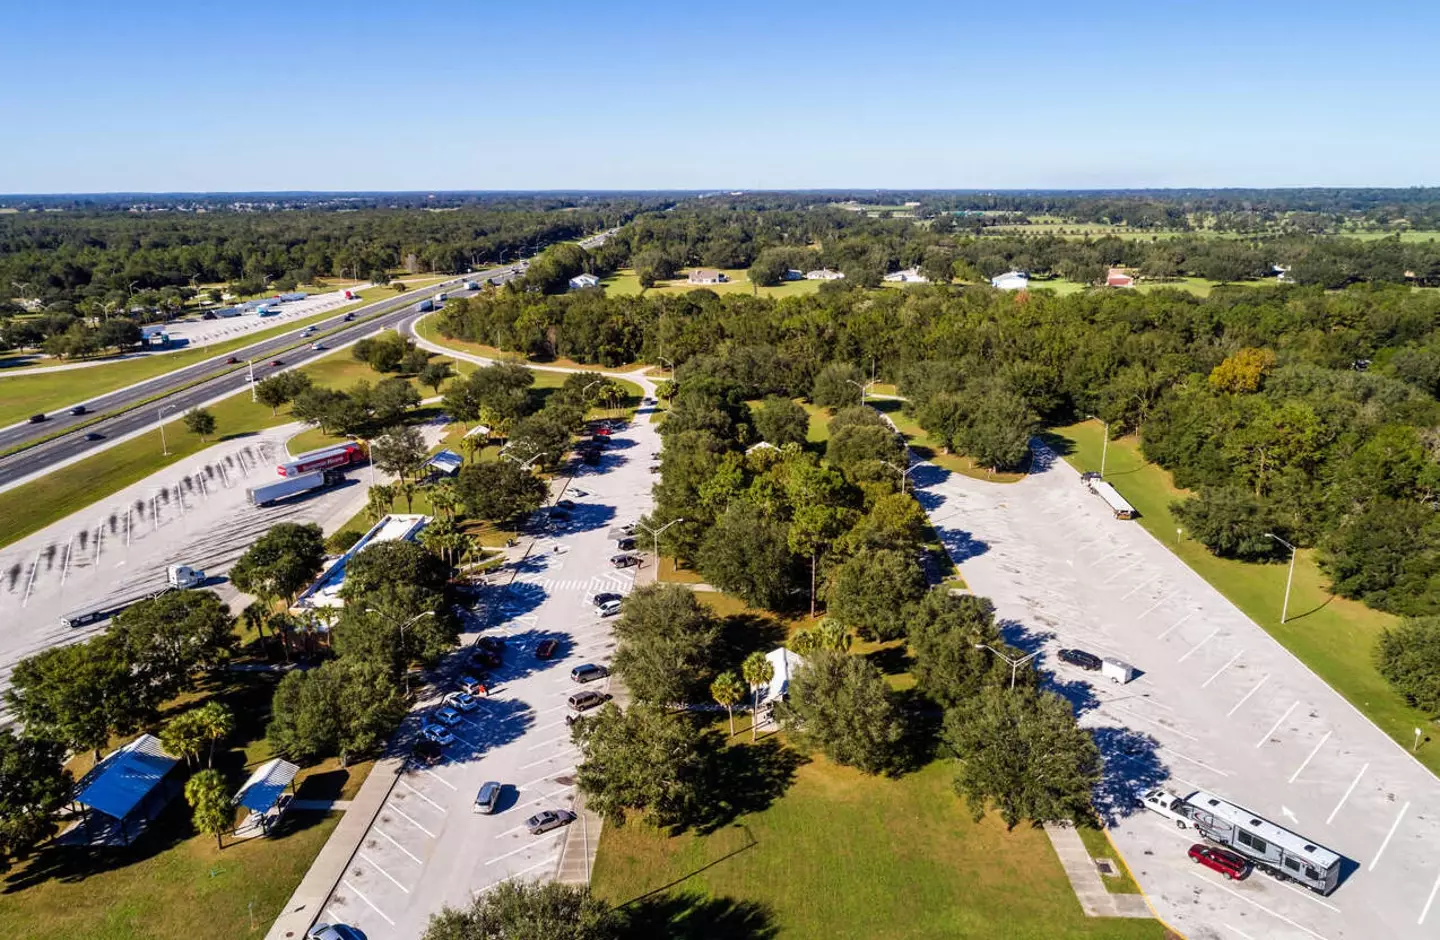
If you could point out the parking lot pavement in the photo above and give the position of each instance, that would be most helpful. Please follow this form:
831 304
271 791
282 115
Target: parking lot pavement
1217 705
427 848
193 513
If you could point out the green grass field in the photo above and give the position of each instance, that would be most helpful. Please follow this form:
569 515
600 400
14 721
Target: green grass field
1335 637
22 395
841 854
625 284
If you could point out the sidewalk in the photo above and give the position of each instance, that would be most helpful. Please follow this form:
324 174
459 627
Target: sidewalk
1085 880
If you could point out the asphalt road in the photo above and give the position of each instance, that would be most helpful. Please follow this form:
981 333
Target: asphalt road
213 379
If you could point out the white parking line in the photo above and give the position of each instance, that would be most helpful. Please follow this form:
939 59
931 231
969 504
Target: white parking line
1429 901
1278 722
524 848
1154 721
388 838
1318 745
412 822
540 779
1238 932
1162 600
346 883
1246 697
553 724
1191 760
1388 836
1120 572
1350 790
513 875
1140 587
1309 895
536 747
376 866
1216 675
1176 625
1254 903
421 795
426 770
1198 645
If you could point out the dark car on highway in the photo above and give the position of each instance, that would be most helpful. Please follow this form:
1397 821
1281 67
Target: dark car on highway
584 701
37 419
277 362
232 361
79 410
1080 658
545 820
94 436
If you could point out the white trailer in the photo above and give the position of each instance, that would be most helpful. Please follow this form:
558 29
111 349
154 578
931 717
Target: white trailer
293 486
1116 670
1111 496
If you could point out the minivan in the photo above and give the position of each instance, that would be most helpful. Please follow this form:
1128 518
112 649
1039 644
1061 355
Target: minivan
624 561
488 799
589 672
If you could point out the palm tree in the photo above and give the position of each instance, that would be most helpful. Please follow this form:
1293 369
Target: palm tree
834 637
727 690
210 800
382 497
758 672
805 642
406 488
254 616
215 722
470 445
444 499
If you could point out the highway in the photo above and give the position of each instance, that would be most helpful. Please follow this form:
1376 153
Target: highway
202 382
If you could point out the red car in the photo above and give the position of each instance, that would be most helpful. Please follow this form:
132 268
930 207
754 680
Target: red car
546 648
1226 863
233 360
277 362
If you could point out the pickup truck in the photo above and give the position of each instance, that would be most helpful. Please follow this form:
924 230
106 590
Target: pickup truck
1167 804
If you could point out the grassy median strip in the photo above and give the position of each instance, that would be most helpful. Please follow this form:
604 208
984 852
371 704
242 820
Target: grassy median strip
1333 636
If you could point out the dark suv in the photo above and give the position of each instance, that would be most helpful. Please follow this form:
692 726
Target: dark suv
1080 658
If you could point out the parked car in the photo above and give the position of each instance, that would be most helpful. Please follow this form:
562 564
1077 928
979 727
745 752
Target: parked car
608 608
1080 658
488 799
1227 863
584 701
588 672
427 752
546 648
334 932
472 685
545 820
462 701
566 504
606 596
603 431
481 658
447 716
491 643
438 735
79 410
624 560
626 544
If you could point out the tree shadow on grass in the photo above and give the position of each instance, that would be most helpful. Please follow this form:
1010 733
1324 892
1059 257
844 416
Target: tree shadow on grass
742 634
692 916
748 778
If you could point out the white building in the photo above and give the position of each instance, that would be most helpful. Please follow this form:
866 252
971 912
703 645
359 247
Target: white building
325 592
582 281
907 276
1011 280
707 276
784 663
824 274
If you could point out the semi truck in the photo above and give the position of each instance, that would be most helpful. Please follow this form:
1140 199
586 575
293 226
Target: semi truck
177 578
425 305
326 458
293 486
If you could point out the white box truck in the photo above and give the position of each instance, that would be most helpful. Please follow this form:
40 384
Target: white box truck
293 486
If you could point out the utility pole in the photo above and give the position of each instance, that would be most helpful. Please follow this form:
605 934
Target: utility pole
1289 578
160 416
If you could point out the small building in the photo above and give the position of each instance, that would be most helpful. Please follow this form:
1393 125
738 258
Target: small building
1282 273
907 276
265 797
824 274
445 463
1118 278
759 446
1011 280
793 274
125 791
584 281
784 663
325 592
707 276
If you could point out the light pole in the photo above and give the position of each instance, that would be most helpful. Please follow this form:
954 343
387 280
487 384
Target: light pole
863 388
1104 443
1015 664
426 613
1285 608
251 364
671 363
160 416
525 464
655 533
903 473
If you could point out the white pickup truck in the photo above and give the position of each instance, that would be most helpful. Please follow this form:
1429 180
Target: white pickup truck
1167 804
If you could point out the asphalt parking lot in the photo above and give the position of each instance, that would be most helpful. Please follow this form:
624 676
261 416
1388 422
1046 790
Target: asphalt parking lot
426 847
1217 705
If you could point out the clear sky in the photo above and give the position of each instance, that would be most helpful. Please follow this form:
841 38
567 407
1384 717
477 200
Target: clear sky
157 95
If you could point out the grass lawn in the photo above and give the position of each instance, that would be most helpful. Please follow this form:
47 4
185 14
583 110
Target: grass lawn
927 449
22 395
1099 846
841 854
1335 637
625 283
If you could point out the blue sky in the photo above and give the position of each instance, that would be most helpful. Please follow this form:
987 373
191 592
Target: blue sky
168 96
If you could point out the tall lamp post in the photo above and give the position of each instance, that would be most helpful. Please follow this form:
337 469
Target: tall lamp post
904 473
655 534
1104 443
427 613
863 388
1289 578
1015 664
160 416
251 364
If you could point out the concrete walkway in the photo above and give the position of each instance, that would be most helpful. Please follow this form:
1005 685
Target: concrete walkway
1085 878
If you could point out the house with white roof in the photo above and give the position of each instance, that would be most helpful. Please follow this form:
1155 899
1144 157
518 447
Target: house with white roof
583 281
907 276
1011 280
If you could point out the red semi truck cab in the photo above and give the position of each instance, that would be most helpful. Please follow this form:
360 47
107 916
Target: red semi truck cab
326 458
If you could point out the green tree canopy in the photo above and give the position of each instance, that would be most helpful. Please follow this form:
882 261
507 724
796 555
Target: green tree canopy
669 645
872 593
526 910
647 760
843 705
282 562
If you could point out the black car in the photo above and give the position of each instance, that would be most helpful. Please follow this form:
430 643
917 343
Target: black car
79 410
483 659
606 597
94 436
565 504
545 820
546 648
1080 658
348 317
589 672
427 752
36 419
495 644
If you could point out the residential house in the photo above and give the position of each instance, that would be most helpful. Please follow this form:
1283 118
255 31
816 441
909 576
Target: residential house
1011 280
907 276
1118 278
582 281
707 276
824 274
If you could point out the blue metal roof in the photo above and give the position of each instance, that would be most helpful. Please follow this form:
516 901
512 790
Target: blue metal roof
266 784
125 777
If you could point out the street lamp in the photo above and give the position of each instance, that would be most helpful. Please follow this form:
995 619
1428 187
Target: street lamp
1104 445
160 416
427 613
1015 664
1285 608
863 388
251 364
655 533
904 473
525 464
671 362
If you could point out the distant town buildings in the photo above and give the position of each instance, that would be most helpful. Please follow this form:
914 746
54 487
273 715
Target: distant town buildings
1118 278
582 281
707 276
1011 280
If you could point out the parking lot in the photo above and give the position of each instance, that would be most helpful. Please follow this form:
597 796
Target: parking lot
1216 705
427 847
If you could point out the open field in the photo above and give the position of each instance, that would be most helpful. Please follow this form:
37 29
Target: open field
624 284
841 854
1333 636
22 395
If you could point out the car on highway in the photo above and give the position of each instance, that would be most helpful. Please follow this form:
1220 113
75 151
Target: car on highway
1080 658
427 752
334 932
607 608
79 410
233 361
276 362
1227 863
317 346
584 701
624 560
546 820
438 735
462 701
488 799
94 436
37 419
588 672
546 648
349 317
